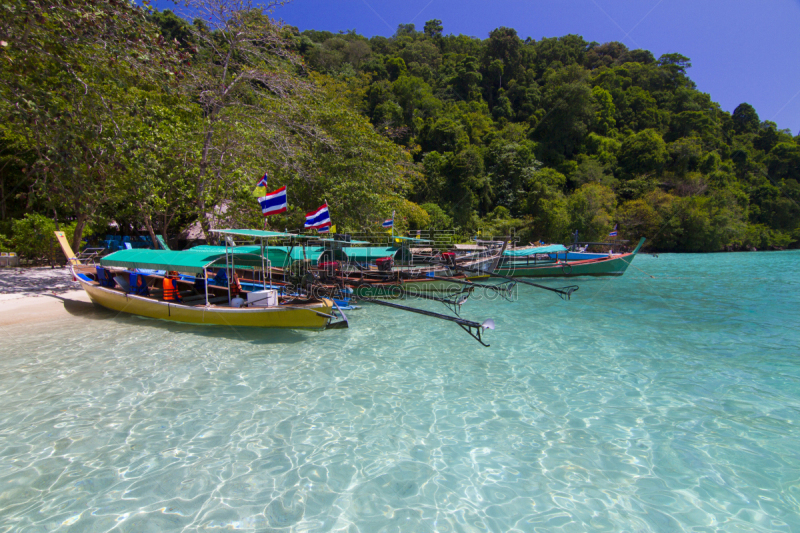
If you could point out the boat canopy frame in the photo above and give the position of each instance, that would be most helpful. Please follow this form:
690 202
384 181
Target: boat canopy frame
525 252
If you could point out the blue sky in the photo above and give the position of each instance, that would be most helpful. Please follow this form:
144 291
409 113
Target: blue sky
741 50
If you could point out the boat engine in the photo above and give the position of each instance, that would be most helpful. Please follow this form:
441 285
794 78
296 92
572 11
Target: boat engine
385 264
328 270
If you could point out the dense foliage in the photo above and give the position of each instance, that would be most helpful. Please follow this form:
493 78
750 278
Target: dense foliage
115 112
551 136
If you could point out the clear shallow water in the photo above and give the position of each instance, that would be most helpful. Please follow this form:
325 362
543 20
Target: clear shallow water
666 404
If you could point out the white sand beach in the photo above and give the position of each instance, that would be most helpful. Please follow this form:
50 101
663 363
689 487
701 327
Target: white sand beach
37 295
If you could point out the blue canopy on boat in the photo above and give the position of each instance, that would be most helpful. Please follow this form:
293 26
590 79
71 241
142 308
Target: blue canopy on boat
524 252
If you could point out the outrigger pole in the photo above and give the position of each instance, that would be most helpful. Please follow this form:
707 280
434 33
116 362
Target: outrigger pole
563 292
453 305
503 289
474 329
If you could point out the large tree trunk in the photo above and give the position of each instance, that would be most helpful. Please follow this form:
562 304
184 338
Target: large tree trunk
149 225
205 224
77 236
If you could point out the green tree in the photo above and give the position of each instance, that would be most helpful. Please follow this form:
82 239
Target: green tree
433 28
64 78
251 100
546 206
396 67
466 80
642 153
745 119
569 102
592 211
604 117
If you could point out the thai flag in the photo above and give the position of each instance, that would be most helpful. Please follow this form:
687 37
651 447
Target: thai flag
324 229
274 202
388 223
318 218
263 181
614 231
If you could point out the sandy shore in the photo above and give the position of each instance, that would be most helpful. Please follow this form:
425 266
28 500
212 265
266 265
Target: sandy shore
39 295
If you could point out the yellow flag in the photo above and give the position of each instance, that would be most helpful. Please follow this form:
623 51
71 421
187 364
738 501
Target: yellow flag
397 240
333 229
261 187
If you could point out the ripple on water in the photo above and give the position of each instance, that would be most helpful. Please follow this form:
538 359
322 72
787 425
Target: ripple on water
643 404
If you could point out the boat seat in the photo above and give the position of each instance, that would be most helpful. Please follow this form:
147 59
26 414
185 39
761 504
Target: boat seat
137 284
105 277
122 282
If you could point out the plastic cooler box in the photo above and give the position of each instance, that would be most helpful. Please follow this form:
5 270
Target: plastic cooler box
266 298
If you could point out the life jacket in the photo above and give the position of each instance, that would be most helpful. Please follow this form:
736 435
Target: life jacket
171 291
137 284
236 288
221 279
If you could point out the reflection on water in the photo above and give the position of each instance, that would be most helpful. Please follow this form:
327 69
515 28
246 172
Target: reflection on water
642 404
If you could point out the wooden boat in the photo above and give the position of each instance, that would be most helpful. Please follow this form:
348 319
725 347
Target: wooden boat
214 305
532 266
394 288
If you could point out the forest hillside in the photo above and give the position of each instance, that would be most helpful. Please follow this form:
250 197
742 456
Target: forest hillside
556 135
116 113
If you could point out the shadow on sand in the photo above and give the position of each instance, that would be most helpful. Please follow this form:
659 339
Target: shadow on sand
92 311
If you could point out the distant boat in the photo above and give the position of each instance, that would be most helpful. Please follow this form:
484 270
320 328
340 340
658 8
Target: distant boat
131 281
537 262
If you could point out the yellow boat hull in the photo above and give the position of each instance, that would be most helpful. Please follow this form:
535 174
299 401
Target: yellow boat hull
306 317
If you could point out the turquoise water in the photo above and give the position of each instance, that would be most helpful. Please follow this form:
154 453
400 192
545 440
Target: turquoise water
644 404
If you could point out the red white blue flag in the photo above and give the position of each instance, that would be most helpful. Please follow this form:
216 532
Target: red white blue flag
388 223
324 229
318 218
274 202
614 231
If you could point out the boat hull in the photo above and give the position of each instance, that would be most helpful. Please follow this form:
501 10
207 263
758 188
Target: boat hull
591 267
606 266
317 317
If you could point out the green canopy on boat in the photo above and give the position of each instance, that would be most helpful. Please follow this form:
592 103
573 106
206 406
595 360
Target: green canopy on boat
368 253
248 249
282 256
549 249
279 256
189 262
253 233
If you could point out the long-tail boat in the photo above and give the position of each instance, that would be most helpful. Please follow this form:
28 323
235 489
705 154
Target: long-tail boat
537 263
380 271
131 281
